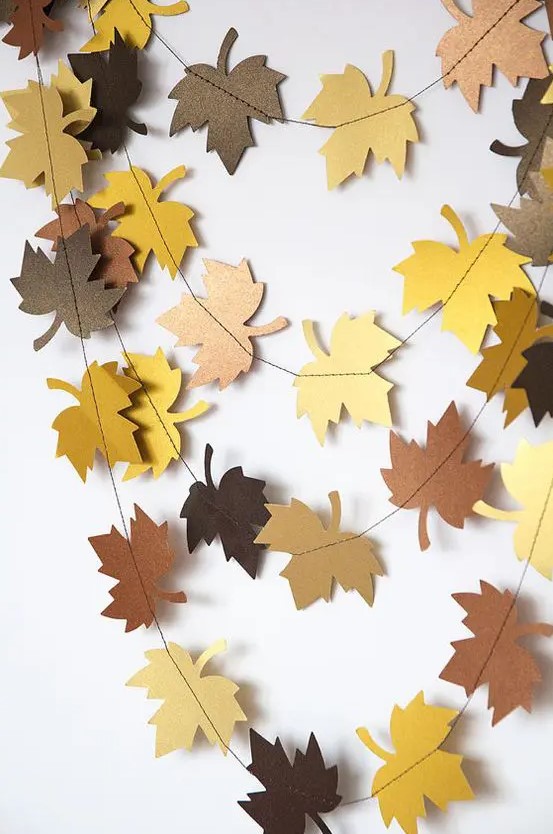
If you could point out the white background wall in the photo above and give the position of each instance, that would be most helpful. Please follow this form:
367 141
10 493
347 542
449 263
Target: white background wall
77 753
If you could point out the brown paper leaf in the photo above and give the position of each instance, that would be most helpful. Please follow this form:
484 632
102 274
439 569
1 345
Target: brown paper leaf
227 101
494 35
536 380
494 655
137 567
436 476
29 20
532 224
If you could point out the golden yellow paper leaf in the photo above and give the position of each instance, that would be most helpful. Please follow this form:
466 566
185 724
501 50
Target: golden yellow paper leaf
192 701
75 96
133 21
158 436
529 479
463 281
343 376
381 123
417 769
83 428
148 224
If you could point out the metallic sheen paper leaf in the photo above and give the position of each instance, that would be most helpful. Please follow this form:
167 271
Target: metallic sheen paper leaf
531 225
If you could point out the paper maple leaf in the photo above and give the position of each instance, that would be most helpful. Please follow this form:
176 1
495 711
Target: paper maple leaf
293 791
344 376
463 281
494 655
231 511
382 123
149 225
227 101
65 286
436 476
493 36
97 422
218 323
529 480
192 701
320 554
133 20
534 381
114 266
158 387
532 224
137 566
418 769
29 19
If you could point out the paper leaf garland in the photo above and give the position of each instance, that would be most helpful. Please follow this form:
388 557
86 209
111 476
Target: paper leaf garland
114 265
418 769
536 380
133 20
436 476
463 281
137 566
158 436
532 224
320 554
64 287
382 123
231 511
104 394
494 655
148 224
192 701
343 377
293 791
227 101
218 323
115 88
494 36
29 19
529 480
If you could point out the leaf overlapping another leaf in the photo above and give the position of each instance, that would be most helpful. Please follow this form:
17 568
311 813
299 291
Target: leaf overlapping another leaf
29 20
131 18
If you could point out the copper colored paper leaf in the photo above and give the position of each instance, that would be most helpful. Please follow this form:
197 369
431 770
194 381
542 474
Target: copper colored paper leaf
232 511
493 36
29 20
531 225
192 701
536 380
494 655
226 101
218 323
293 790
418 769
320 553
131 18
7 8
363 122
436 475
137 566
96 423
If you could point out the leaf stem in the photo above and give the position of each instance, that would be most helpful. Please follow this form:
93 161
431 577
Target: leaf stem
211 651
311 339
483 509
424 541
52 330
546 309
387 72
506 150
265 329
226 46
322 826
138 127
455 222
166 11
207 465
375 748
453 9
200 408
176 174
336 508
545 332
171 596
61 385
546 629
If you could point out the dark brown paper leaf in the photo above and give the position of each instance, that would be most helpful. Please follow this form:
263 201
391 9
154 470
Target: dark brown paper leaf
138 570
7 8
64 287
532 224
227 101
436 476
537 379
494 655
306 788
231 511
29 20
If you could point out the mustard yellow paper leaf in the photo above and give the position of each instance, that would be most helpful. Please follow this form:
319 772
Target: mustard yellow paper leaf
417 769
463 281
133 21
343 376
158 436
192 701
529 480
75 96
104 394
148 224
382 123
548 96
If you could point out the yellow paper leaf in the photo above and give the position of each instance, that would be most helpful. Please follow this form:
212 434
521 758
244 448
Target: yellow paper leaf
158 437
192 701
381 123
529 479
417 769
331 554
147 224
463 281
75 96
104 394
342 377
133 21
548 97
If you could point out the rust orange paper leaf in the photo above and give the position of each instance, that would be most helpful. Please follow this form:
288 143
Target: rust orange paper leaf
29 20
